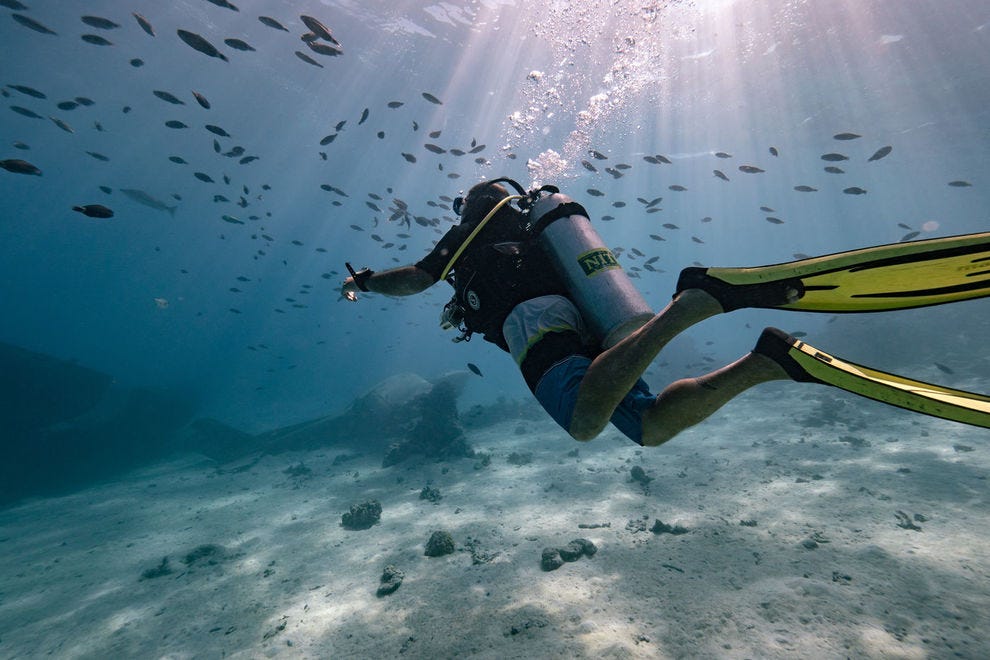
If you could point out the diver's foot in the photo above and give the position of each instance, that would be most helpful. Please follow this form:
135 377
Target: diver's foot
736 296
775 344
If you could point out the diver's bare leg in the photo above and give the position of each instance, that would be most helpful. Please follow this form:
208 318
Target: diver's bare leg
613 373
688 401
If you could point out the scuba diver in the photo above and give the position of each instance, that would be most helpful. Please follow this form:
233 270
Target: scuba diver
538 282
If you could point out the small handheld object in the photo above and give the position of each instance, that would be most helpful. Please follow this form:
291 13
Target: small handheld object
359 277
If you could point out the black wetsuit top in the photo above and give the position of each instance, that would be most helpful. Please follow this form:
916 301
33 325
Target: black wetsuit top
502 267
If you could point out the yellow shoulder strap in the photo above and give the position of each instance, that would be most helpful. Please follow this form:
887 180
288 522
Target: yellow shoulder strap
467 241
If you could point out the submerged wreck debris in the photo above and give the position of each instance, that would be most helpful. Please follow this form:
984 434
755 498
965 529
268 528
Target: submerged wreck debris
639 475
431 494
391 580
362 516
660 527
440 543
554 558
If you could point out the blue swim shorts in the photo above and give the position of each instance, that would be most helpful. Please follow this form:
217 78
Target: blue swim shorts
557 392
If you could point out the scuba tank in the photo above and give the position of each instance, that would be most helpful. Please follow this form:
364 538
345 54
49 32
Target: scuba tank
609 302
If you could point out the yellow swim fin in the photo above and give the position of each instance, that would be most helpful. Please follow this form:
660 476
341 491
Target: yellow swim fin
875 279
805 363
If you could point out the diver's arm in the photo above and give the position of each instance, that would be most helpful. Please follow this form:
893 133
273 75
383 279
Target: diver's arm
402 281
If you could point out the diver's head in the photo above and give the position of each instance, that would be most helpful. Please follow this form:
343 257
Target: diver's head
479 200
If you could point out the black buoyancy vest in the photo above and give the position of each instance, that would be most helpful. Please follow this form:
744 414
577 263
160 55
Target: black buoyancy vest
502 267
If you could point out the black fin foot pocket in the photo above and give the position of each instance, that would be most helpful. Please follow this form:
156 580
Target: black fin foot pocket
737 296
776 345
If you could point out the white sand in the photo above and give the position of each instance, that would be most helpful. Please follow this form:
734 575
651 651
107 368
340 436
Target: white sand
294 583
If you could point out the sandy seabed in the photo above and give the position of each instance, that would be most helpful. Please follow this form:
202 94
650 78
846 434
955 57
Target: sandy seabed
831 527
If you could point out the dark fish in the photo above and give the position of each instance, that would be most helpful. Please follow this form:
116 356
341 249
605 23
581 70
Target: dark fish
106 189
670 225
435 134
435 149
96 40
19 166
722 154
364 116
319 29
137 62
677 188
943 368
707 218
175 123
622 166
307 59
616 174
720 174
654 202
98 156
395 104
328 139
325 49
750 169
805 189
201 100
904 226
477 148
774 152
67 105
588 166
25 112
834 157
238 44
340 125
82 100
846 136
960 184
854 190
697 240
775 221
224 3
61 124
216 146
31 24
663 159
597 154
144 23
908 236
231 219
272 23
356 228
30 91
12 4
657 237
432 99
169 98
651 159
595 193
196 42
619 205
766 209
99 23
409 157
474 369
880 153
832 169
94 210
374 207
216 130
205 178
